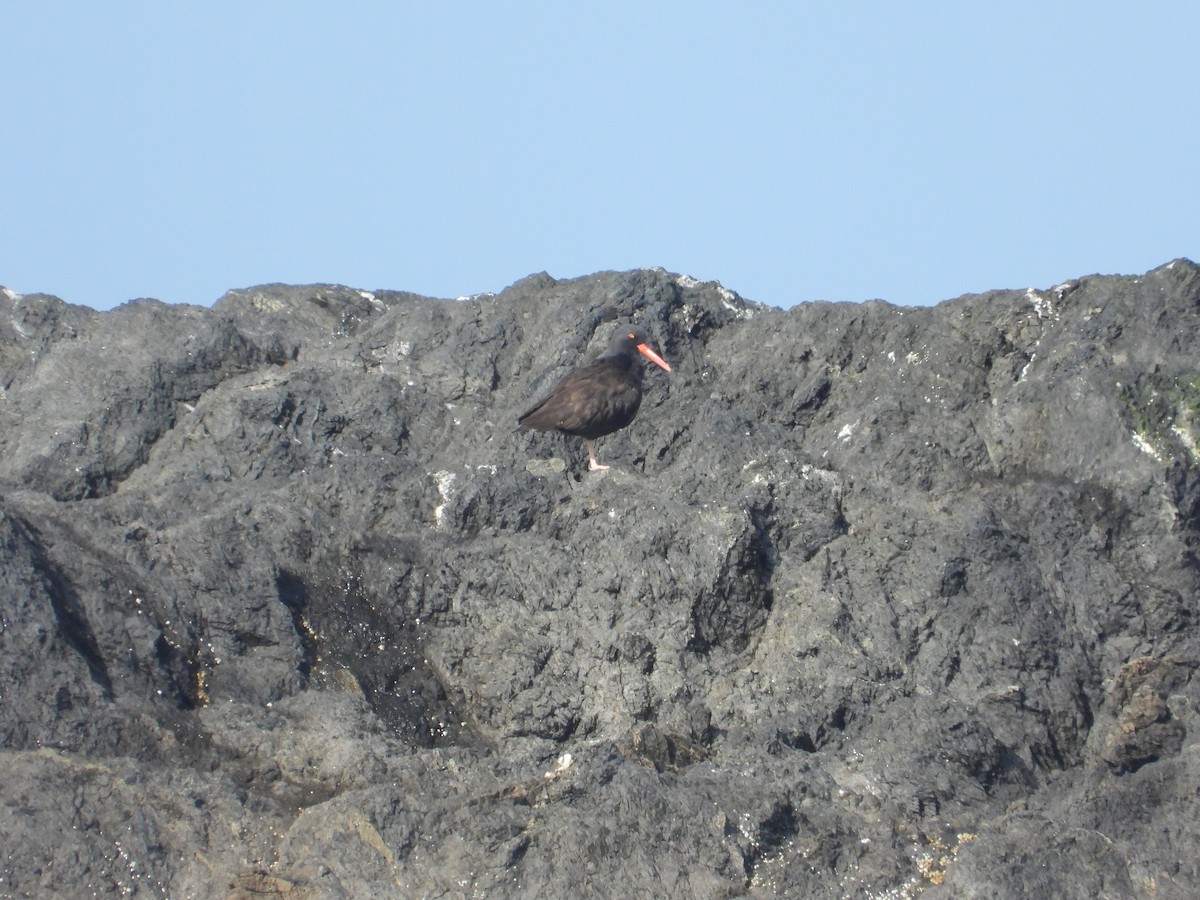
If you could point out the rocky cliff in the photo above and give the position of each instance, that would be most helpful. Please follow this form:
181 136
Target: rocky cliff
874 602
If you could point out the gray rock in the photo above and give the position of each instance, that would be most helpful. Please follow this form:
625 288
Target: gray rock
875 601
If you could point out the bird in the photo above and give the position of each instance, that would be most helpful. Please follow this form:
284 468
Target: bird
598 398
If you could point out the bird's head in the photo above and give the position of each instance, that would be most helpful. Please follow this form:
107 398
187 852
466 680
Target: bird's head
632 338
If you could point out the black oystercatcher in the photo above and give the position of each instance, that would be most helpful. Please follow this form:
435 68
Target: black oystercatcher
599 398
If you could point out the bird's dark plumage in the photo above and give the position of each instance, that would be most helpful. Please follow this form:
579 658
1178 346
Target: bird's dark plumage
600 397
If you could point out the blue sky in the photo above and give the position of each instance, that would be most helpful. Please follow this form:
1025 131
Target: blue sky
793 151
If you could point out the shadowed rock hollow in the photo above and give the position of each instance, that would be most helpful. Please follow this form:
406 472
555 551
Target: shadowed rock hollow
875 601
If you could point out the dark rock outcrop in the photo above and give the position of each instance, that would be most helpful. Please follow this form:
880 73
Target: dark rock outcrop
875 601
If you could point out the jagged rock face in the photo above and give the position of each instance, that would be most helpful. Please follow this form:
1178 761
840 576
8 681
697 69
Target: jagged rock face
874 602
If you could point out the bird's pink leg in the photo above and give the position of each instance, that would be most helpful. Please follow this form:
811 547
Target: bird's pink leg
592 463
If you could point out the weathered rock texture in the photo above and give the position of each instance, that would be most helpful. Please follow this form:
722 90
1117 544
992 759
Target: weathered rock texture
874 602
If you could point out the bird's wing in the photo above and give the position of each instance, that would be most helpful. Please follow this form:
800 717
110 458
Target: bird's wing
589 401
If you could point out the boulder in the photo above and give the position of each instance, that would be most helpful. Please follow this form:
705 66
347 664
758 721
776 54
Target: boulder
874 601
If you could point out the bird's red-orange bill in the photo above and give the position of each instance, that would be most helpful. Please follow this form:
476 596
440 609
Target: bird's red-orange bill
645 350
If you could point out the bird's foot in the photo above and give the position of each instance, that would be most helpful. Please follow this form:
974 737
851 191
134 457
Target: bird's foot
593 465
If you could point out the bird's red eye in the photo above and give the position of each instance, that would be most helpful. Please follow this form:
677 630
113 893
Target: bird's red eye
632 336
